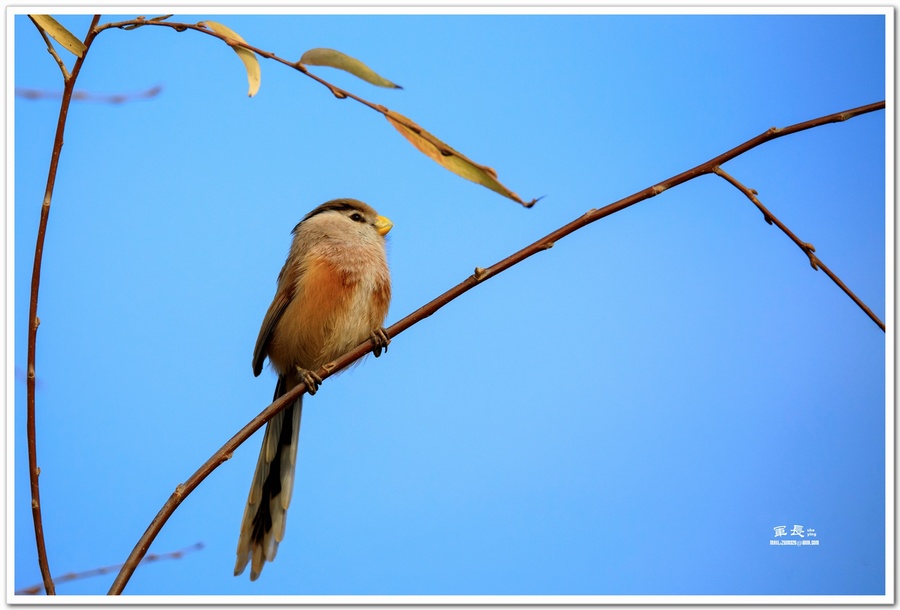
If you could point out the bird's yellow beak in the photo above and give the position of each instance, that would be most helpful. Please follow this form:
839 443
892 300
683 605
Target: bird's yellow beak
383 225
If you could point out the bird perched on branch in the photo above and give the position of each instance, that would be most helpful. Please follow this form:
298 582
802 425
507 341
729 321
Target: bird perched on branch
333 293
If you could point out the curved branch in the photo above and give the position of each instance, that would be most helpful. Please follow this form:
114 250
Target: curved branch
131 24
425 142
479 276
34 321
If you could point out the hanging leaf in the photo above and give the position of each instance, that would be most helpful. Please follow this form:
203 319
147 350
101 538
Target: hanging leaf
336 59
455 161
60 34
247 56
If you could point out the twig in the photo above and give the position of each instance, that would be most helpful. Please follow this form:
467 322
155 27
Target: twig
33 321
181 27
479 276
84 96
152 557
51 49
808 249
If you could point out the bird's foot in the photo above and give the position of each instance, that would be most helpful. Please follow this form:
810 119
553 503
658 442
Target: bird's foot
310 379
381 340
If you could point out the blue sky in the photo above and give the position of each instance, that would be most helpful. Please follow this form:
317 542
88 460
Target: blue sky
632 412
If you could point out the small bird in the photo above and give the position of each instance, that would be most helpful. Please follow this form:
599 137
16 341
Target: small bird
333 293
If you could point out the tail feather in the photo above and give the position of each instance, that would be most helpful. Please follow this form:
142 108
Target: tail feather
263 524
272 439
289 459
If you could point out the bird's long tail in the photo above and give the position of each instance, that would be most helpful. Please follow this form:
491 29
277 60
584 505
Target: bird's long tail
262 527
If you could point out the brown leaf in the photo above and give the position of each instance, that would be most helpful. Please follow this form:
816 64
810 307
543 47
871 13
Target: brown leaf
451 159
341 61
59 33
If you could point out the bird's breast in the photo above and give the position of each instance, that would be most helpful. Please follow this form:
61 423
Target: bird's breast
336 305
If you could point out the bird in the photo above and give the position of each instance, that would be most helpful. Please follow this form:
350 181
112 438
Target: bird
332 294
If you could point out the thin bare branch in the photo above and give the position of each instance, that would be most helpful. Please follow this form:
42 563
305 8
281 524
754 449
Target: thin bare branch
184 489
51 49
151 558
480 275
34 321
84 96
808 249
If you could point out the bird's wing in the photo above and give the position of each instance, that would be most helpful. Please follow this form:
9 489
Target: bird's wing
283 296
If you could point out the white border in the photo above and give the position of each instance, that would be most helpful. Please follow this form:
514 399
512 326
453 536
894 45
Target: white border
407 7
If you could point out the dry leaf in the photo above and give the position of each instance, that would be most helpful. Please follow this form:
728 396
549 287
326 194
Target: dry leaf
455 161
336 59
251 63
60 34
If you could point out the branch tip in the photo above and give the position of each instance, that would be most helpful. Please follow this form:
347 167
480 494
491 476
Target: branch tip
807 248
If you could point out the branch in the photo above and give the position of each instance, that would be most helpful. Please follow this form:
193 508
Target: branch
480 275
84 96
33 320
152 557
425 142
808 249
181 27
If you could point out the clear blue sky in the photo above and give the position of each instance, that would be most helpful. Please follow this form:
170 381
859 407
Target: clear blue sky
632 412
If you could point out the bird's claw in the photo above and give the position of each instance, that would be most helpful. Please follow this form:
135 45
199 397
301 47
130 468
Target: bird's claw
381 340
310 379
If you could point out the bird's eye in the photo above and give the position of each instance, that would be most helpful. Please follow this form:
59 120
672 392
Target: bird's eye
356 217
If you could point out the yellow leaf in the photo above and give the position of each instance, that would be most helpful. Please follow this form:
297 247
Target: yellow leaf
451 159
60 34
336 59
247 56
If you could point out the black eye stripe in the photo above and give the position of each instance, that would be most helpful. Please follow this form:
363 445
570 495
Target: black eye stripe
341 206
